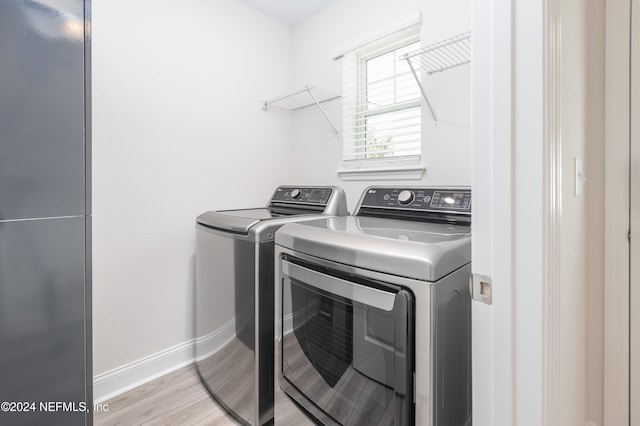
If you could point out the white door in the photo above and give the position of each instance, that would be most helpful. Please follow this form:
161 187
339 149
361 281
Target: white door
634 290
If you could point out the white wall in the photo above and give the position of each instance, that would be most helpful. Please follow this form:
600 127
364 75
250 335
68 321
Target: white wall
318 151
177 130
617 213
593 29
582 310
573 368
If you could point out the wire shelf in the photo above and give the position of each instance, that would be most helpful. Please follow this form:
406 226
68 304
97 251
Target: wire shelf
443 55
438 57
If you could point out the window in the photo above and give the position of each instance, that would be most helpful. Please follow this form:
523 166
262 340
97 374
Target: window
381 104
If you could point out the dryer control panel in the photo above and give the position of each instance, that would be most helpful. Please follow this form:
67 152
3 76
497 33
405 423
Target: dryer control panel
451 201
302 195
298 200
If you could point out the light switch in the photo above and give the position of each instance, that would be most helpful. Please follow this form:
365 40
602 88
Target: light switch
579 176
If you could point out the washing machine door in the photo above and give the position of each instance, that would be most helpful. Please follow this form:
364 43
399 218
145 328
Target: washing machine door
347 346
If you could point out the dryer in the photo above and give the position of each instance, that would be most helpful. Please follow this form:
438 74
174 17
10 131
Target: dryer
374 310
234 297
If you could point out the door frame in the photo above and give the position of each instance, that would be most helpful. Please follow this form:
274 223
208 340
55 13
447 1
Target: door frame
616 198
517 141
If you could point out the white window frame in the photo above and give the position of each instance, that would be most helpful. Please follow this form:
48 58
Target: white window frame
399 167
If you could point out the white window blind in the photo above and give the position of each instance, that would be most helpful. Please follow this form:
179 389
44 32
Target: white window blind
381 103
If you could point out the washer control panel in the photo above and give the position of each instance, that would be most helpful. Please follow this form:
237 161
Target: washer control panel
443 200
302 195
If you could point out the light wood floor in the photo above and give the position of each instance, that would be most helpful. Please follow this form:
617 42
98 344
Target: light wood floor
179 398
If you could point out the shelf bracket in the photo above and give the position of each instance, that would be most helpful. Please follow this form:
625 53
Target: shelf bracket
315 102
424 95
322 110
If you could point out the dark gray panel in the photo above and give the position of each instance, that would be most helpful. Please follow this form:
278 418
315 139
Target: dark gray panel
41 108
88 315
88 261
87 106
42 318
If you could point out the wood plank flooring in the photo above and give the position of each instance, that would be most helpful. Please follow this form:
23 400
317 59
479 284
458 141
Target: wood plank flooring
180 398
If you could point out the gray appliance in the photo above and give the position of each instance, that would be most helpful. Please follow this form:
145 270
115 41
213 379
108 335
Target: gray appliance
235 296
45 218
374 311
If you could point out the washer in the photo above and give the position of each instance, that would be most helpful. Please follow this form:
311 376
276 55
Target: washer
374 311
234 296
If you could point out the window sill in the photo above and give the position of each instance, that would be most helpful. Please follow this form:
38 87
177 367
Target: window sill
395 173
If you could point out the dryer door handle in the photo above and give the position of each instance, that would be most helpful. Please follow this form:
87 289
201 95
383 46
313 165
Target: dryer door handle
357 292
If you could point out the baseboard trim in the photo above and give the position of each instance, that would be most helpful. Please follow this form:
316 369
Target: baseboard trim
211 343
119 380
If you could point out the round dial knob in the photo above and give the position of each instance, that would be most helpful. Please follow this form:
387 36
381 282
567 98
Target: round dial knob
295 194
406 197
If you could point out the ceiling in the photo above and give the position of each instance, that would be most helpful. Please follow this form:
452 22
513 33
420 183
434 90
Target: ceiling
290 11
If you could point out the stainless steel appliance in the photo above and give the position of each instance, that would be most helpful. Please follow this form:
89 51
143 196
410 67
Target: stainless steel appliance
375 310
45 217
235 296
